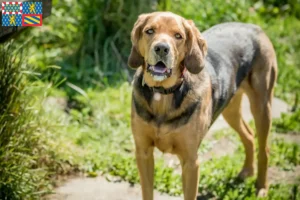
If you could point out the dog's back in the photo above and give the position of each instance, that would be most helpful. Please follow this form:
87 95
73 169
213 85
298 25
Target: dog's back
232 48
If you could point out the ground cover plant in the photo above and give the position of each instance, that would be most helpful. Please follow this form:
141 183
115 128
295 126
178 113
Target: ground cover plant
30 151
81 87
106 138
20 175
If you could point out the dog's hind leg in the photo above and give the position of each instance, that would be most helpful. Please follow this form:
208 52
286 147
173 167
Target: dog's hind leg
233 115
260 92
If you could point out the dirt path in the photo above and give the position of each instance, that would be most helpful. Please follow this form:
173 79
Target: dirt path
99 188
82 188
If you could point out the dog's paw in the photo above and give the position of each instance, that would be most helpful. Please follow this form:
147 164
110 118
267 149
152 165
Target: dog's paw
262 192
245 173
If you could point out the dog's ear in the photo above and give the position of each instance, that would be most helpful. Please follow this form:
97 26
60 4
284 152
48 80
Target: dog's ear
196 48
135 58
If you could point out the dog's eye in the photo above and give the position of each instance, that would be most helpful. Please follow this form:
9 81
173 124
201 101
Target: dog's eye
149 31
178 36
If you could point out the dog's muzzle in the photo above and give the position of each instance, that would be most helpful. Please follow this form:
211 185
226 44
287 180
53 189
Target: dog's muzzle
159 71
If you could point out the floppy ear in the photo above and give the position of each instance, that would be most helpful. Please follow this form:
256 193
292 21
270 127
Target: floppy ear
196 48
135 58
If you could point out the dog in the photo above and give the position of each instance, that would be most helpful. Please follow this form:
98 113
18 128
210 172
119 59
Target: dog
185 79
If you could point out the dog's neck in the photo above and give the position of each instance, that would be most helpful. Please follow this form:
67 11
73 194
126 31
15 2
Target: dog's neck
164 90
162 100
176 107
163 97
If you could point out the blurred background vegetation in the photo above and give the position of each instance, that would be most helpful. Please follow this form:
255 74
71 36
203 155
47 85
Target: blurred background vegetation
65 94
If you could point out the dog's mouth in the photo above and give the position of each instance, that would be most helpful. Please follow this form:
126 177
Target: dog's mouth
159 71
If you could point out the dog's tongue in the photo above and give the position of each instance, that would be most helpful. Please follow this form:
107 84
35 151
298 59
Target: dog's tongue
159 68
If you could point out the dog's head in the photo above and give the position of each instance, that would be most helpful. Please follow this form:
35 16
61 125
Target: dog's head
164 43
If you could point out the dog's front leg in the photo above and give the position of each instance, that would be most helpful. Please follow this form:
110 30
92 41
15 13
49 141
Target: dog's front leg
145 163
190 176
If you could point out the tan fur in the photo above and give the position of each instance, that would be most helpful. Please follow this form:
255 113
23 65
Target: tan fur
185 140
259 87
191 48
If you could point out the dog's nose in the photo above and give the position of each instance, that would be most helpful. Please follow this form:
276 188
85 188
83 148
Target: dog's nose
162 49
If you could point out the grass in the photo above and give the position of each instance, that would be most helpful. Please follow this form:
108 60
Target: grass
29 154
19 145
78 108
102 133
288 123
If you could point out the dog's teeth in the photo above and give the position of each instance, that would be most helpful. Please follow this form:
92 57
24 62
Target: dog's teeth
159 78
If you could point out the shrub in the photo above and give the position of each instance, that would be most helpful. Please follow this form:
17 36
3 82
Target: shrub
274 8
289 122
19 142
90 42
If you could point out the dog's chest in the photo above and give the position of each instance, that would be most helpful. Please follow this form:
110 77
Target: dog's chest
164 142
166 138
161 105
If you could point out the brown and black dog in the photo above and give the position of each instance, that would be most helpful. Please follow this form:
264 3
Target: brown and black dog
185 79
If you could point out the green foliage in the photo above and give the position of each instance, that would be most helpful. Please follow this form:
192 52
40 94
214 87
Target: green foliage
30 153
83 47
88 40
275 8
288 122
101 129
18 139
208 13
285 155
93 41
